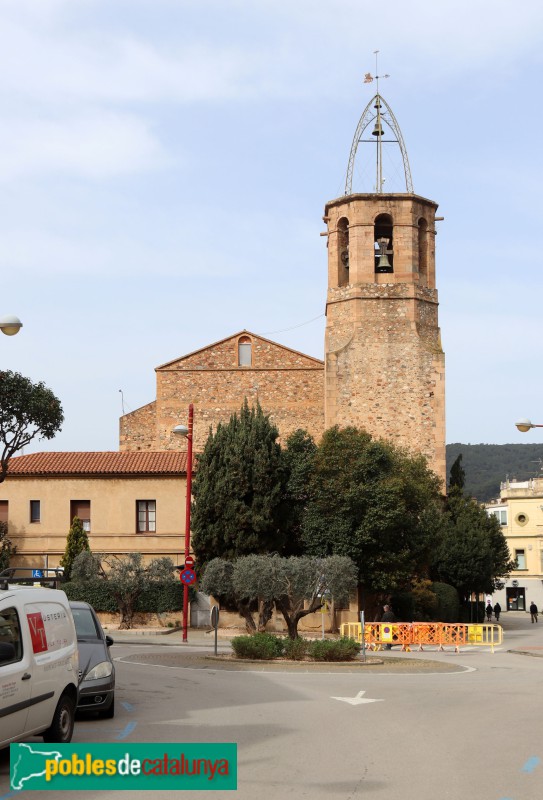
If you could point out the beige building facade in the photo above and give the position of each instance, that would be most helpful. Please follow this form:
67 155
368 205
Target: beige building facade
519 511
128 502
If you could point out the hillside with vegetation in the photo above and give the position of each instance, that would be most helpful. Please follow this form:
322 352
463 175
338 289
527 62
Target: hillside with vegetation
487 465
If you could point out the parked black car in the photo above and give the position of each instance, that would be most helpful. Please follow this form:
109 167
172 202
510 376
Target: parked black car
96 668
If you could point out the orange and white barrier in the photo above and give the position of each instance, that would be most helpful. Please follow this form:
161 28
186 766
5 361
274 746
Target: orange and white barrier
421 634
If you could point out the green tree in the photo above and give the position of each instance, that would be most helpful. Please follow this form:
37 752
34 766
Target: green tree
27 410
298 585
238 489
298 459
457 476
377 505
127 577
7 549
76 542
472 553
217 580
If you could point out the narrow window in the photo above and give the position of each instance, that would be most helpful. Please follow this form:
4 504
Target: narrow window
245 355
423 250
35 511
81 509
4 510
343 252
520 558
383 242
145 516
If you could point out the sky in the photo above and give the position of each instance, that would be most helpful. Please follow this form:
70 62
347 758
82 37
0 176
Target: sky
164 166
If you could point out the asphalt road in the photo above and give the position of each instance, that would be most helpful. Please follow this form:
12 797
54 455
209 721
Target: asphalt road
441 725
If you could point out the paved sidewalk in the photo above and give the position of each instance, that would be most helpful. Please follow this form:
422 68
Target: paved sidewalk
197 637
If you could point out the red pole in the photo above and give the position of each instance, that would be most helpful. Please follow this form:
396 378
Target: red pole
187 519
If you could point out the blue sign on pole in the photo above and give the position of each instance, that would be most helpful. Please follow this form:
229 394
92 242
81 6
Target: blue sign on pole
188 576
37 573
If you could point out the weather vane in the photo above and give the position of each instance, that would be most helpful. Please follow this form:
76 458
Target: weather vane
383 113
368 77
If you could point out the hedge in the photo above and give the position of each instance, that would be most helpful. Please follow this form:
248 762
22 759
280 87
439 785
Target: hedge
162 597
448 603
266 647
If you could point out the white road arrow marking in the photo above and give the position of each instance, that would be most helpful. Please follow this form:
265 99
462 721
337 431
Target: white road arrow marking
356 701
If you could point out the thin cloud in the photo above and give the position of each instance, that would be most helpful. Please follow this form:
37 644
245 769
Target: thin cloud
95 146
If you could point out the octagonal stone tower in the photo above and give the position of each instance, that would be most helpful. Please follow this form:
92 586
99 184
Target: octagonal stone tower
384 364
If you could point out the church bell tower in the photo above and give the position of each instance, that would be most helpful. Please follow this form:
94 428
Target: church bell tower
384 364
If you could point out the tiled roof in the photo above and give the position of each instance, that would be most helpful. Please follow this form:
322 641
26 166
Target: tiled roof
101 463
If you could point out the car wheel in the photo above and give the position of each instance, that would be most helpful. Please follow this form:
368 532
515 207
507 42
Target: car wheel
62 726
109 713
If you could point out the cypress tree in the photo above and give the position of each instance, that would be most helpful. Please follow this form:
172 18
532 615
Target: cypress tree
238 489
76 542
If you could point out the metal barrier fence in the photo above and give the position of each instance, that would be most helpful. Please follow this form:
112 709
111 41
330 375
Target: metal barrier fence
420 634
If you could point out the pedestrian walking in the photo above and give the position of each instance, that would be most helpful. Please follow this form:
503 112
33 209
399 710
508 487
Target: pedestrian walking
497 611
489 612
533 611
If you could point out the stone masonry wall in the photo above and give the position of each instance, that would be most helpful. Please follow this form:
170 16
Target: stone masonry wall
288 385
137 430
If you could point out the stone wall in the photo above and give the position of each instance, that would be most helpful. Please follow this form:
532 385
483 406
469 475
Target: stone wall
385 367
288 385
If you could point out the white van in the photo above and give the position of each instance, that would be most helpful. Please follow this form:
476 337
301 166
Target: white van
38 664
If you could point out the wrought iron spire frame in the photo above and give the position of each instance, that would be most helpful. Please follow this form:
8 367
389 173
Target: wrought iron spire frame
365 120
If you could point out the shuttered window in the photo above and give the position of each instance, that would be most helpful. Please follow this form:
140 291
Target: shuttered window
146 516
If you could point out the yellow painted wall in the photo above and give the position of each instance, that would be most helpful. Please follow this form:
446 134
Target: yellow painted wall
113 515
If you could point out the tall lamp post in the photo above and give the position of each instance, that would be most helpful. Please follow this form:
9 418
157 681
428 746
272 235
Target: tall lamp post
524 425
10 325
186 431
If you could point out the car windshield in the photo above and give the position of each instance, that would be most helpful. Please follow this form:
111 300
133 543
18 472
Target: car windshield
85 624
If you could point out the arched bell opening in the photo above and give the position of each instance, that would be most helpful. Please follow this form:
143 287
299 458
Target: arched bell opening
384 245
343 252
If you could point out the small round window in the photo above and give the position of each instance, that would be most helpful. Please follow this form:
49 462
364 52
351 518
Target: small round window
521 519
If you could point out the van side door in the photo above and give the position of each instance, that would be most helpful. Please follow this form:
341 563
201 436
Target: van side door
15 675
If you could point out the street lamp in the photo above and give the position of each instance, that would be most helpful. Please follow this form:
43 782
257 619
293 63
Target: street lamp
10 325
186 431
524 425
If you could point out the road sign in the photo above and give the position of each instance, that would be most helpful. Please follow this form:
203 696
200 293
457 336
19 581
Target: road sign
37 573
188 576
189 562
215 623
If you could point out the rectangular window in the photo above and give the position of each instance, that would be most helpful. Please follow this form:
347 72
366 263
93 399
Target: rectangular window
520 558
3 510
81 509
500 514
145 516
35 511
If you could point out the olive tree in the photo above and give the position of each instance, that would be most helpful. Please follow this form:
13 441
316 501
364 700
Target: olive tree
127 577
298 585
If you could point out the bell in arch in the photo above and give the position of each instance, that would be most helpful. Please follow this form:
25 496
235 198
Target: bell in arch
383 264
377 128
